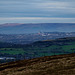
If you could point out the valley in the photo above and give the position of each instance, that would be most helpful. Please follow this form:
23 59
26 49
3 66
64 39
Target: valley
38 49
33 37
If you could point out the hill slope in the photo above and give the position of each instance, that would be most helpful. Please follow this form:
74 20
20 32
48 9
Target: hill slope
49 65
15 28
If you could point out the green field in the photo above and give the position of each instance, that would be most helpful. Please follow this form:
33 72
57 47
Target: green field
12 50
39 51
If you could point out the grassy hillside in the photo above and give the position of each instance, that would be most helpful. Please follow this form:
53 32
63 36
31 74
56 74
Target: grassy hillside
48 65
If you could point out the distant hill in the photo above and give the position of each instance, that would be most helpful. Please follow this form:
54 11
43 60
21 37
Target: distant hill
60 42
49 65
16 28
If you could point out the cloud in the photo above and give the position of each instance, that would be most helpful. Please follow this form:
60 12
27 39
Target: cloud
36 20
37 8
14 18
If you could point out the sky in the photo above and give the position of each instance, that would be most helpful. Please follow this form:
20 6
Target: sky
37 11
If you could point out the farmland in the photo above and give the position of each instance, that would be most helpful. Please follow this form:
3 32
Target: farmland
42 48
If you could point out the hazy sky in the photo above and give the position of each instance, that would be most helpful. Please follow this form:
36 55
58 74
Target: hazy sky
37 11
